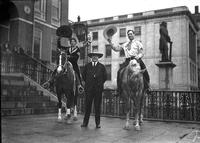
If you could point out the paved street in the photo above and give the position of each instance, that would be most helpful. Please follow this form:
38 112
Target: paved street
46 129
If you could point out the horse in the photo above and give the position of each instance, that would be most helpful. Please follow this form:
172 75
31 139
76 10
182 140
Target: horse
65 81
133 91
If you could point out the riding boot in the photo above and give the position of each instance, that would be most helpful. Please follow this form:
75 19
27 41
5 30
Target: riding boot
147 85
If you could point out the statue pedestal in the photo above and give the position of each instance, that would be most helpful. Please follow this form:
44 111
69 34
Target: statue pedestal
166 75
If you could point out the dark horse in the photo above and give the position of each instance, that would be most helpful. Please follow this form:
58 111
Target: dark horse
64 79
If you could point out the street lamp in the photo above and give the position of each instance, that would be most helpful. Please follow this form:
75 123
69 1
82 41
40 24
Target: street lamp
81 30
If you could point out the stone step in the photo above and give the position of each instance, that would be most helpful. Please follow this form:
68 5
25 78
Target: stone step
25 104
12 78
19 91
24 87
28 111
18 97
25 98
14 82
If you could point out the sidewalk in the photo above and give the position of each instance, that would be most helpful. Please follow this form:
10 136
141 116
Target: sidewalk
46 129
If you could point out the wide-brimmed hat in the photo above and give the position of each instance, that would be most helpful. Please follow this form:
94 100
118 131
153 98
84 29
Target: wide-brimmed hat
99 55
109 31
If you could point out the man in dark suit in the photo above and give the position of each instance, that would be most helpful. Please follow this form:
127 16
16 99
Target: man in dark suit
94 75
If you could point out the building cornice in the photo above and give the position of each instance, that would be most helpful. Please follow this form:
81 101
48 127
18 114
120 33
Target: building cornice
146 17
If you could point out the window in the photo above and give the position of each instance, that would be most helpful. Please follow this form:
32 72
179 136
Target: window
108 19
192 44
53 56
122 32
121 53
122 16
108 70
53 49
95 20
95 48
40 9
108 51
137 30
95 35
37 43
82 52
55 12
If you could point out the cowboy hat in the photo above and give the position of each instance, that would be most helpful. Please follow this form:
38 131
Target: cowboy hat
64 31
109 31
99 55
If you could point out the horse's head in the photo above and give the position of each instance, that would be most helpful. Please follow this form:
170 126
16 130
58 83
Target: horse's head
63 61
134 66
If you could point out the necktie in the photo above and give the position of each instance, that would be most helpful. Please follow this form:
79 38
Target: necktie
94 64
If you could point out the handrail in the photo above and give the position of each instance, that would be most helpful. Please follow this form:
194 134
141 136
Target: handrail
12 62
36 60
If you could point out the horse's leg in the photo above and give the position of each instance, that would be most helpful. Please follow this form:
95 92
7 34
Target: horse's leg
75 107
76 87
127 124
141 108
69 95
137 100
59 95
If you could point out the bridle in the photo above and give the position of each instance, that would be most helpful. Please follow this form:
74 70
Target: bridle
61 67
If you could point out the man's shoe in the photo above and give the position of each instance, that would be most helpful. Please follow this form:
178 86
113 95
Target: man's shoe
83 125
98 126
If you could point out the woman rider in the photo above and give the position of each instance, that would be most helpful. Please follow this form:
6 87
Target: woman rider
74 53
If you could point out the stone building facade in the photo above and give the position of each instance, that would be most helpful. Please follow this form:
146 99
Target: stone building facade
182 30
32 24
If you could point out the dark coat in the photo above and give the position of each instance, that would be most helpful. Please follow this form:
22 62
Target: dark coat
94 77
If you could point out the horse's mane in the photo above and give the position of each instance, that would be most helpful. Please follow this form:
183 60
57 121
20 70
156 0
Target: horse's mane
134 75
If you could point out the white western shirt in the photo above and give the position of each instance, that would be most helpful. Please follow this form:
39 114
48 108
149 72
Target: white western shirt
131 48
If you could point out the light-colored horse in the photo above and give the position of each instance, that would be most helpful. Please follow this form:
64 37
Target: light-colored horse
133 91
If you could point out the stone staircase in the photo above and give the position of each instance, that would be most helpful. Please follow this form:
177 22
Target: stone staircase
19 97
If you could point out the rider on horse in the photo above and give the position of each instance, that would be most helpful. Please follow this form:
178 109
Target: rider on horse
133 49
73 52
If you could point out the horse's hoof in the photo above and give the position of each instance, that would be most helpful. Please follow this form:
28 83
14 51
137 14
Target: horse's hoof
137 128
141 122
67 116
59 119
75 118
69 121
126 127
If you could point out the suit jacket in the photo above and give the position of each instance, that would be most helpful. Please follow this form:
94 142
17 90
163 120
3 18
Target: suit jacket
94 77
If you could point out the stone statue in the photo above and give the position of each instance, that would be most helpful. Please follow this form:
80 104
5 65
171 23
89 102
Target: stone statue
164 40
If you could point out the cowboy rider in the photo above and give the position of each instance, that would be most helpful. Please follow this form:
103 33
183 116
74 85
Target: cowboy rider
133 49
